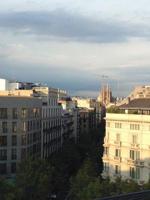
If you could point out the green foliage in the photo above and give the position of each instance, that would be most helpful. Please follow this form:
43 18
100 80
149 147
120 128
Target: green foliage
37 178
114 109
66 163
85 185
34 179
133 112
146 186
7 190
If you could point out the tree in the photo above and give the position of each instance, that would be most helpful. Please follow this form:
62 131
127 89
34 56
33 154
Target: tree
34 179
66 164
7 190
84 177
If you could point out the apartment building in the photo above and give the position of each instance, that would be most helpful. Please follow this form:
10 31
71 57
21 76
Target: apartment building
69 119
127 142
51 120
140 92
20 131
90 111
84 102
51 139
8 85
86 120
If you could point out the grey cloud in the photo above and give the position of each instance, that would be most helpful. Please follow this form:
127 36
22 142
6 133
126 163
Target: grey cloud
124 80
120 79
68 26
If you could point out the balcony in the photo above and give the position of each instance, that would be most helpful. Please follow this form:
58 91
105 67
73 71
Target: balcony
106 142
105 174
131 162
118 143
117 158
106 145
135 146
139 163
105 157
118 175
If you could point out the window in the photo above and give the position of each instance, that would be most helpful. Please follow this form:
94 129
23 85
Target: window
23 140
14 154
34 137
3 154
134 155
106 167
36 112
135 172
134 127
24 126
4 127
14 113
118 137
14 140
24 112
14 127
13 168
117 169
106 150
23 154
108 124
134 139
117 152
3 113
3 141
118 125
3 168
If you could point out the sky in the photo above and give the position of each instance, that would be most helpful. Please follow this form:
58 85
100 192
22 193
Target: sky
73 44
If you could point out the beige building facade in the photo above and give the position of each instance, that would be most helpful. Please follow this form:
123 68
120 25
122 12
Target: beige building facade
84 102
127 142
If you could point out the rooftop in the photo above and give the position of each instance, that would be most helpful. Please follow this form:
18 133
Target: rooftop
137 104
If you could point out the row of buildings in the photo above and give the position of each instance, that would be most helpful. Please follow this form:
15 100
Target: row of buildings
36 121
127 138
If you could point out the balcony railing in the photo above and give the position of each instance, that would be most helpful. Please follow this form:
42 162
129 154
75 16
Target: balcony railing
135 162
117 143
117 158
142 195
135 146
131 162
139 163
105 157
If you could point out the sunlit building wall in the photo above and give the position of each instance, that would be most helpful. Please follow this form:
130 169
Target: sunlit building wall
127 142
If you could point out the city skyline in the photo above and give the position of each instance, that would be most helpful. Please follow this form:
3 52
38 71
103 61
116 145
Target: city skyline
71 45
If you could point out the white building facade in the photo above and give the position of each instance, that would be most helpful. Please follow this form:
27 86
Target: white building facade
51 120
127 142
20 131
8 85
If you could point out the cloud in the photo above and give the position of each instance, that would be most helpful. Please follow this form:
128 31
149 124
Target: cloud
77 82
70 26
71 51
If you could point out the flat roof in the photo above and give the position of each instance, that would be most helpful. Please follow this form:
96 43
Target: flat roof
11 101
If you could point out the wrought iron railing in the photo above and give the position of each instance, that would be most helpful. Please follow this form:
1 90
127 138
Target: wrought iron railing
143 195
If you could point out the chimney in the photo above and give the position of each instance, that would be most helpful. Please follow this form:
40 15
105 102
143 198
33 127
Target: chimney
128 100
